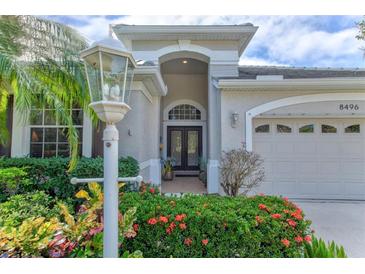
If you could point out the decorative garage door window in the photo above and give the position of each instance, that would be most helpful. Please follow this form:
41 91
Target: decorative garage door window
48 137
328 129
263 129
353 129
283 129
184 112
307 129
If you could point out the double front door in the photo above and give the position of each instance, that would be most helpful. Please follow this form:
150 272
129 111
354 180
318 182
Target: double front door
184 146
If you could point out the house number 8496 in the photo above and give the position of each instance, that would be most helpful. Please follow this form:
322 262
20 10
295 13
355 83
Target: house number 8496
348 107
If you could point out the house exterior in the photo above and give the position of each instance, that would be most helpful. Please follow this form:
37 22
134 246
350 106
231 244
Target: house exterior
191 100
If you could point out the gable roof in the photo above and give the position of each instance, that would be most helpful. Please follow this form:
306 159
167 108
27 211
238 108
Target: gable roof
251 72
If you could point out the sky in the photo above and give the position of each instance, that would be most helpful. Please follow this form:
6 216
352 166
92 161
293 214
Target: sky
301 41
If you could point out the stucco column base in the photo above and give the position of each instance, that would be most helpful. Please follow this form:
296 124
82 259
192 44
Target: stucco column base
213 176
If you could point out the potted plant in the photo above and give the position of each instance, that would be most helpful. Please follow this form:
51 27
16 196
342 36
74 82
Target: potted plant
168 169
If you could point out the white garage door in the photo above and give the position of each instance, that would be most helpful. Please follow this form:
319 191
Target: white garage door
312 158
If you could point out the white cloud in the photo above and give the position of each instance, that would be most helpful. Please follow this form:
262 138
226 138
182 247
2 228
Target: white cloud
280 40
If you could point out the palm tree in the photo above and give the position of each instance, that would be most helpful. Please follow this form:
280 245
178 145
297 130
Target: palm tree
40 64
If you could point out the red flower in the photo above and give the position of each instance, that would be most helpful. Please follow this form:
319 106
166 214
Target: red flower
285 242
188 241
262 207
297 214
276 216
180 217
168 230
182 226
172 225
205 241
258 219
261 194
291 222
152 190
152 221
298 239
136 227
163 219
285 199
308 238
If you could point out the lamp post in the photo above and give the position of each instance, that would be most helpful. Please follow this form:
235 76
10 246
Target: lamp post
109 70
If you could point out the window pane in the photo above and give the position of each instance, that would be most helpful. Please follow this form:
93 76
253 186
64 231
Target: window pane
263 129
283 129
50 134
62 135
36 135
79 132
36 150
184 112
77 116
193 148
49 118
352 129
63 150
176 144
49 150
306 129
328 129
36 117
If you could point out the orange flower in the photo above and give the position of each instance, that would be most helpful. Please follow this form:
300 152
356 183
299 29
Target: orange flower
182 226
286 211
152 190
172 225
298 239
152 221
285 242
188 241
276 216
205 241
180 217
297 214
163 219
308 238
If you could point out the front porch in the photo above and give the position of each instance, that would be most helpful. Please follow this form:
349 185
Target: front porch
184 184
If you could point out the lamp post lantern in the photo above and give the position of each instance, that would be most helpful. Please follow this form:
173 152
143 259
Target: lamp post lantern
109 70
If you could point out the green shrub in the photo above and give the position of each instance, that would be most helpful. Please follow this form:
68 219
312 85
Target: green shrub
23 206
13 180
319 249
214 226
50 174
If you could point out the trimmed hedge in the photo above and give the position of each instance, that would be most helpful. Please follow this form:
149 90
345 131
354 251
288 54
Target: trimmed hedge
213 226
50 174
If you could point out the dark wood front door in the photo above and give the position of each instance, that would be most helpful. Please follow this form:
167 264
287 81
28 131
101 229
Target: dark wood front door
184 145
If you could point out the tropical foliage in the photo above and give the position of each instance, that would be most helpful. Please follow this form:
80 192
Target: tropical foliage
40 65
319 249
66 234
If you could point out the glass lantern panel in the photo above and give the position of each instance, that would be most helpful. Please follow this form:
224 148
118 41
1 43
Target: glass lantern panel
114 77
94 77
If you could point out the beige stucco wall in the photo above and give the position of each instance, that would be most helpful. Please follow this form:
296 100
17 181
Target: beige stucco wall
138 131
186 86
241 101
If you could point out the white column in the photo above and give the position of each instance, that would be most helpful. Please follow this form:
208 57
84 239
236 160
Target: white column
111 205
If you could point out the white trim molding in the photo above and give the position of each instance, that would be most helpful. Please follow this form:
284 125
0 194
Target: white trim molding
322 97
350 83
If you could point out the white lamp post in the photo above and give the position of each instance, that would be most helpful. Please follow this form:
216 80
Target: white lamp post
109 69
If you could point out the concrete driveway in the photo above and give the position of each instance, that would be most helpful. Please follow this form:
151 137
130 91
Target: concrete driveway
343 222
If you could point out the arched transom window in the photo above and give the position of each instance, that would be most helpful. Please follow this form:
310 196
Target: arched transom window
184 112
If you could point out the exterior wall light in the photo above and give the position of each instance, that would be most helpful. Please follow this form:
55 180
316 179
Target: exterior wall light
234 119
109 69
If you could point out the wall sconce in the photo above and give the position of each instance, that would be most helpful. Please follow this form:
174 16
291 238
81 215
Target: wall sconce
235 118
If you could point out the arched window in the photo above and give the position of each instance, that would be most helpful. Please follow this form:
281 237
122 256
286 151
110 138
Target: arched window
283 129
328 129
353 129
263 129
307 129
184 112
